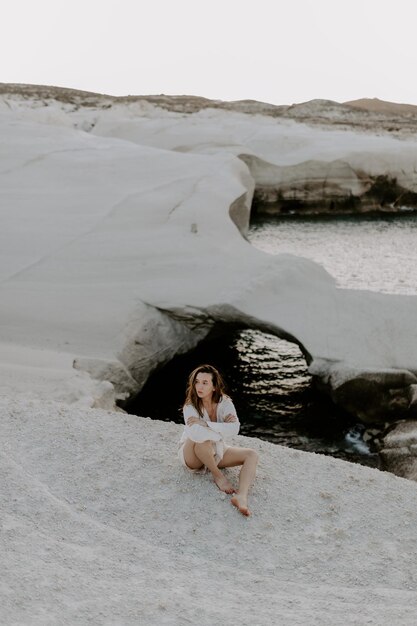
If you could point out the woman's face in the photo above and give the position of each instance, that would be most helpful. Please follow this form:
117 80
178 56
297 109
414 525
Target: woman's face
204 385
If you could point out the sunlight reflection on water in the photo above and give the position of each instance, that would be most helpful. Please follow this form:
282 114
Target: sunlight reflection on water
275 397
361 252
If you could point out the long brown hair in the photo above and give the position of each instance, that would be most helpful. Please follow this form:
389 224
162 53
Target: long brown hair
191 396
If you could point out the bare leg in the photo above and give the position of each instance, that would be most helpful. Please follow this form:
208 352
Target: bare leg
248 459
204 451
191 460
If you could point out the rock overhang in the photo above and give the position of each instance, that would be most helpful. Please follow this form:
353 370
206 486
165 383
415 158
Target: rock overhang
152 235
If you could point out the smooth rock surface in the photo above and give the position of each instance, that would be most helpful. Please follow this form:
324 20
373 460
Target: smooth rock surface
123 245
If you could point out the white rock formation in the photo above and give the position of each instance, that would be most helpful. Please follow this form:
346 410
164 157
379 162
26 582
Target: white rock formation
118 247
286 158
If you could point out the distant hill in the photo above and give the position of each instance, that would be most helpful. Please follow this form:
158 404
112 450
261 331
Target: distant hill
381 106
366 114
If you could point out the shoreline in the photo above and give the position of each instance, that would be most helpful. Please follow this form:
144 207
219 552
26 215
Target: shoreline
275 210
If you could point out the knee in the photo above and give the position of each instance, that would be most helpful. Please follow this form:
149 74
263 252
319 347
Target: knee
203 445
252 455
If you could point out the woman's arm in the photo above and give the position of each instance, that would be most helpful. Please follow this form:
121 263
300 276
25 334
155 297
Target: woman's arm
196 420
196 428
229 425
226 429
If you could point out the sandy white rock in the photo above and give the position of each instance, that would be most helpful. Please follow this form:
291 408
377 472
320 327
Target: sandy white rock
117 251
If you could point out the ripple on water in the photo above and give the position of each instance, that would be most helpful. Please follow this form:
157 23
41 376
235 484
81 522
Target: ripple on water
275 396
361 252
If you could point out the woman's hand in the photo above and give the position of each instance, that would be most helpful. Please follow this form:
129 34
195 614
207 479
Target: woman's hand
230 418
196 420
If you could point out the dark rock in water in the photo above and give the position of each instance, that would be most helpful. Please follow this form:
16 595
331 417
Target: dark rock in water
399 450
385 191
323 191
377 397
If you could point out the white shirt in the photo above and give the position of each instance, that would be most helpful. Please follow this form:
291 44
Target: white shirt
216 430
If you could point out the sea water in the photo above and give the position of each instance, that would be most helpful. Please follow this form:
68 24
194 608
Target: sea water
360 252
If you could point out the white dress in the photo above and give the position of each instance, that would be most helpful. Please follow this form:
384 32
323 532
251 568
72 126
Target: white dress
215 432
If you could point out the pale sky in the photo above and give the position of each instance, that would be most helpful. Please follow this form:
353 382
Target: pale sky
270 50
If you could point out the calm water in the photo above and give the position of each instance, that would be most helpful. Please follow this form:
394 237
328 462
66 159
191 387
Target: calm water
268 377
361 252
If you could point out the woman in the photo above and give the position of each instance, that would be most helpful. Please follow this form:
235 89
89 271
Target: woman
209 415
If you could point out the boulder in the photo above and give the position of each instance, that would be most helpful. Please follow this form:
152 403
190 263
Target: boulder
399 450
374 396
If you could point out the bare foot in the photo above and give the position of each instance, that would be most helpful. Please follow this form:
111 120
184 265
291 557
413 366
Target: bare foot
223 484
241 503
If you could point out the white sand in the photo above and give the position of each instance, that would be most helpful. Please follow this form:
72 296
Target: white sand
101 525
